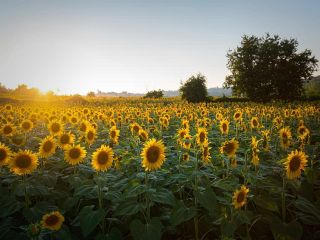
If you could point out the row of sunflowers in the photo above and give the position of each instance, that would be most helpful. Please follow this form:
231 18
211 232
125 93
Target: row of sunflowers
139 170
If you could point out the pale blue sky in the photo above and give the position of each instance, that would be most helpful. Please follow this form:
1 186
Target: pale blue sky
137 45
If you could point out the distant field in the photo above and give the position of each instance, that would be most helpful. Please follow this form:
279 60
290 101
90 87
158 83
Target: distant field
121 168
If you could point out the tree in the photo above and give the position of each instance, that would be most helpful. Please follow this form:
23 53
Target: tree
154 94
268 68
194 89
91 94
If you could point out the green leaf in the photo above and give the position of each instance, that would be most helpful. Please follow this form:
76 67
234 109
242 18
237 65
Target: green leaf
283 231
308 212
8 206
207 199
128 207
164 196
181 213
152 230
89 219
266 202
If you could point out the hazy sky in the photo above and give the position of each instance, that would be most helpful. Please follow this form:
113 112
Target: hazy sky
137 45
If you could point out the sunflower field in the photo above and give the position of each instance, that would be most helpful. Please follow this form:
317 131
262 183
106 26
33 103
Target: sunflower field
140 169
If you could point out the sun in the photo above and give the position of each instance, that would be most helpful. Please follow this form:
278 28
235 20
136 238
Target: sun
102 158
153 155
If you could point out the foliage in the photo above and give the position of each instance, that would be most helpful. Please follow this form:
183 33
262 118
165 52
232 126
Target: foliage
269 68
312 88
183 199
91 94
194 89
154 94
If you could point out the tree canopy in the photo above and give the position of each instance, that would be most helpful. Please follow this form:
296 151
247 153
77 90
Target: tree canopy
194 89
268 68
154 94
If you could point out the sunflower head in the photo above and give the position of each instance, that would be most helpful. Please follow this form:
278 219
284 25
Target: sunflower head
295 163
55 127
74 154
47 147
206 153
229 148
8 129
285 137
224 126
5 154
202 136
237 115
153 155
143 135
102 158
26 125
239 198
65 139
23 162
254 122
114 134
90 135
52 221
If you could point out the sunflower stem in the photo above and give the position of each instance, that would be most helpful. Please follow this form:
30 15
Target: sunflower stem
196 220
147 196
100 198
283 198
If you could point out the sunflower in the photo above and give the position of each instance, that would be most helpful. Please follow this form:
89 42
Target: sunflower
90 135
65 139
302 130
5 154
47 147
206 152
74 154
23 162
153 155
237 116
239 198
265 139
55 127
182 132
73 120
143 135
202 136
26 125
254 122
295 163
255 157
84 125
102 158
187 141
185 124
285 137
114 135
52 221
185 157
229 148
8 129
254 142
224 126
135 127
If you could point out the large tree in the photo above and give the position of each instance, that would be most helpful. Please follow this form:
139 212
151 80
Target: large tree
194 89
268 68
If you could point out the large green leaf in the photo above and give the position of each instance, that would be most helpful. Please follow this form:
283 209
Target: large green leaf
207 199
89 219
283 231
152 230
266 202
164 196
181 213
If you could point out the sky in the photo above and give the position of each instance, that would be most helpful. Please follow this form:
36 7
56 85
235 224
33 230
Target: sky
138 45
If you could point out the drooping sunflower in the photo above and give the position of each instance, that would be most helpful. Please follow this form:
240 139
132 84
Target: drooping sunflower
202 136
23 162
5 154
52 221
8 129
153 155
143 135
55 127
74 154
265 139
239 198
229 148
295 163
254 122
285 137
90 135
65 138
47 147
102 158
255 157
114 134
224 126
26 125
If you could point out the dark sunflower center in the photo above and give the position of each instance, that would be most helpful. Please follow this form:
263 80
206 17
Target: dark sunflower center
153 154
103 157
26 125
64 139
55 127
113 134
136 128
205 151
228 148
240 197
47 146
254 122
202 137
237 115
90 135
73 120
294 164
302 130
3 154
74 153
52 220
182 134
224 127
83 127
7 130
23 161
